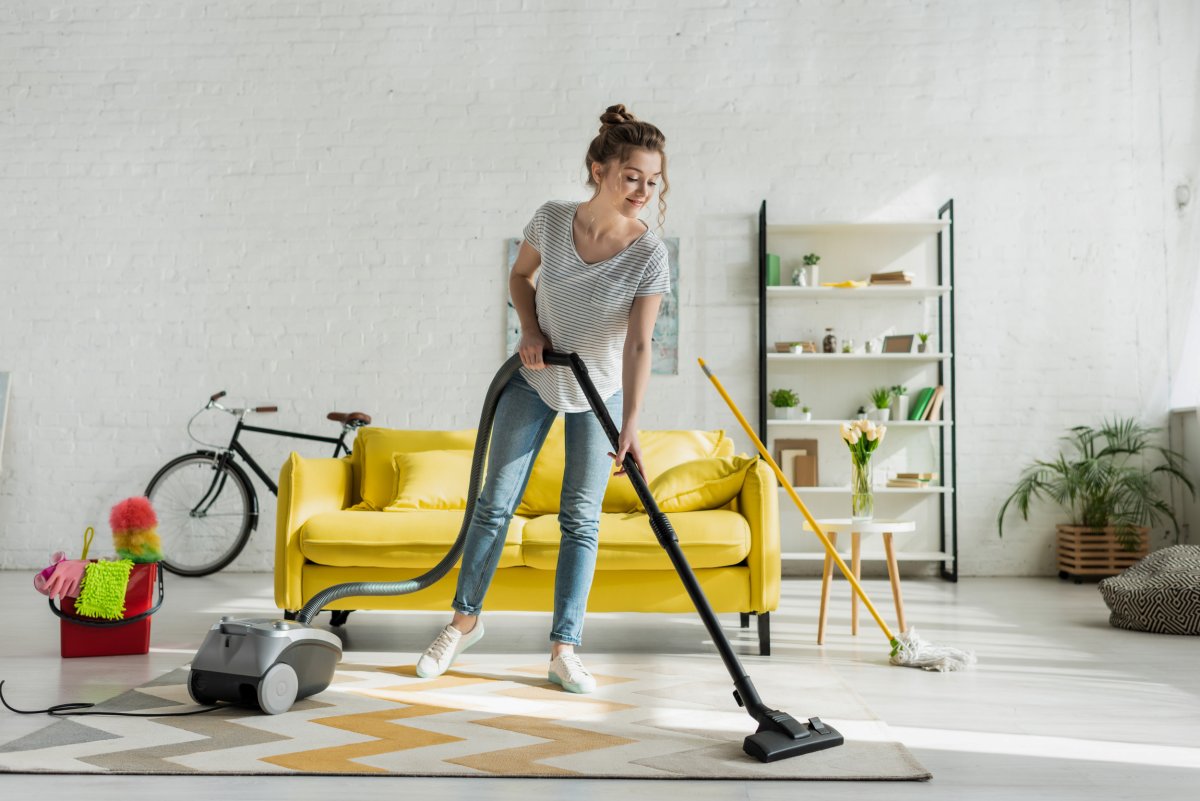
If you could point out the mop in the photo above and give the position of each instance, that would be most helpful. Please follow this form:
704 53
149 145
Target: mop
908 650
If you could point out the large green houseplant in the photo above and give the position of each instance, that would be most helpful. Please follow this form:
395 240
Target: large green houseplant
1107 483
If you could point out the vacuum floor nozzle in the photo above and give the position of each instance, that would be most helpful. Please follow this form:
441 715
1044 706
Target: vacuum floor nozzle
770 744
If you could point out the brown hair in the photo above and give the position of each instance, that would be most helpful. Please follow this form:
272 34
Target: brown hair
620 134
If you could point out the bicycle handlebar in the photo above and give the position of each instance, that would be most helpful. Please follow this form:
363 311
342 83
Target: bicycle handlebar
236 411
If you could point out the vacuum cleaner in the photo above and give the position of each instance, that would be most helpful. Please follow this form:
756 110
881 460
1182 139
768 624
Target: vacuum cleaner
271 663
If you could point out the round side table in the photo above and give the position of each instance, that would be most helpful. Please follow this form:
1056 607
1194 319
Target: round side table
831 526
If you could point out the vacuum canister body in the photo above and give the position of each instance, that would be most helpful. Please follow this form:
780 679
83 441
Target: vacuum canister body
263 661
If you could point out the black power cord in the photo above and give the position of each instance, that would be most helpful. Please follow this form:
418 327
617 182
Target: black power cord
69 710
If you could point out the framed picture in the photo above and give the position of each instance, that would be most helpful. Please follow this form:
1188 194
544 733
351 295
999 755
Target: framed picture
797 458
4 384
901 343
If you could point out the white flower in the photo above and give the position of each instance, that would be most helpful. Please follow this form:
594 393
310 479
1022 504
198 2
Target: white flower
855 436
872 434
846 429
882 430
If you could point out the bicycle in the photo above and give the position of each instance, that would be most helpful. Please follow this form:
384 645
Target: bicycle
207 508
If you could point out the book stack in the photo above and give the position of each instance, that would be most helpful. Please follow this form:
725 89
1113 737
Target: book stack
927 404
912 480
894 278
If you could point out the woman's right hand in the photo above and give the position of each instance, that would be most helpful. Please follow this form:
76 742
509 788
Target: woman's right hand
531 347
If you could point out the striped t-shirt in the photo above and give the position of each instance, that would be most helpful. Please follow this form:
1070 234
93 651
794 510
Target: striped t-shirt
584 308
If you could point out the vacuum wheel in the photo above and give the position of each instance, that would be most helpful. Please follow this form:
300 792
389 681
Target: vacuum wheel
278 688
196 692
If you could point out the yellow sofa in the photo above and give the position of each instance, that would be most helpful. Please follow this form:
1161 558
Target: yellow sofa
393 508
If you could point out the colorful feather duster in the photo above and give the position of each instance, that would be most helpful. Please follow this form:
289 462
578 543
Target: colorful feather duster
135 533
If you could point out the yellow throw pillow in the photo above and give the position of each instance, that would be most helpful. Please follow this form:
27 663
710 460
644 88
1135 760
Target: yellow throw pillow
662 450
700 484
431 480
373 450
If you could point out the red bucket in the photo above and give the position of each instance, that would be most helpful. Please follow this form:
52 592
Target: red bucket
89 636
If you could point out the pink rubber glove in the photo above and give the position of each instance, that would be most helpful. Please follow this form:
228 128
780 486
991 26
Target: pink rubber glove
65 581
54 560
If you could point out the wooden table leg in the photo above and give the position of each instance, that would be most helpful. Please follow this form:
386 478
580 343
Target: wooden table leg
856 566
826 574
894 575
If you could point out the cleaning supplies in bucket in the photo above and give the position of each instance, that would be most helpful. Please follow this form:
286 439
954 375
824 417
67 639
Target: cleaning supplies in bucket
107 604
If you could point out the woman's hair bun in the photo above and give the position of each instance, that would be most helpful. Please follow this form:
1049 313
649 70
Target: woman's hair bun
615 115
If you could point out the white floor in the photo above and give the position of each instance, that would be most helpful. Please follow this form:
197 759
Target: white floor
1061 706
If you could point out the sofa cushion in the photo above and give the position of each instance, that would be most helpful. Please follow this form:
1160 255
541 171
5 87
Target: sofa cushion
660 450
431 480
411 539
714 538
699 484
375 447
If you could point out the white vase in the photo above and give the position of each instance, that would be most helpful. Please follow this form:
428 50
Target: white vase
882 415
783 412
901 402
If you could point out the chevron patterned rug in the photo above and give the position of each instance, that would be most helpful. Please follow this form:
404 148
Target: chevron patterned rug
492 715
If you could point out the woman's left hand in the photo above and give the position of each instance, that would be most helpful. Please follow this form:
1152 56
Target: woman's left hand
628 443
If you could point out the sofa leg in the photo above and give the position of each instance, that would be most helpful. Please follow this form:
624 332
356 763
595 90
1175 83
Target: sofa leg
764 633
745 619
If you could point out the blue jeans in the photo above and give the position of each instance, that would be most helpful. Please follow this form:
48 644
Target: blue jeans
518 431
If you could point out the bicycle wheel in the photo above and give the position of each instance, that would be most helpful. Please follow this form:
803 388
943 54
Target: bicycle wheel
205 513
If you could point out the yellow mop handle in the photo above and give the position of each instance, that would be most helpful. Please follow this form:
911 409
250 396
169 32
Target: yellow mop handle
829 549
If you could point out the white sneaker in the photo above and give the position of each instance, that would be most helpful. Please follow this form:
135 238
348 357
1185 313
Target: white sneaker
569 673
446 647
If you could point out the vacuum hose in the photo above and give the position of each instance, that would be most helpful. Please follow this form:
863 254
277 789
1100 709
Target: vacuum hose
435 574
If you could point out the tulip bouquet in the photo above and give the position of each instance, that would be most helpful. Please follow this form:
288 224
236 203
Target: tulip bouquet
862 437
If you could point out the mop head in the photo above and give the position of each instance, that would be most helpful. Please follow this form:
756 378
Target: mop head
909 650
135 533
103 591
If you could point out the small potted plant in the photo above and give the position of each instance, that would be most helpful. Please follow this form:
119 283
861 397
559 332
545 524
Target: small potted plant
805 413
882 398
1109 491
810 265
900 396
784 402
924 341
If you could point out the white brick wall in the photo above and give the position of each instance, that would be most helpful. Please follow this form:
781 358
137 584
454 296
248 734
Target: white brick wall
305 203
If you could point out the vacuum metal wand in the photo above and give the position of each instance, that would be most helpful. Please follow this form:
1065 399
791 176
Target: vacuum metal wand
779 734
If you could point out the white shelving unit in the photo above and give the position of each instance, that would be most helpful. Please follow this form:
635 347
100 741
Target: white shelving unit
836 384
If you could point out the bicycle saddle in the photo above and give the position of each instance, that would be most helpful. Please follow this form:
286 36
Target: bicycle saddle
351 418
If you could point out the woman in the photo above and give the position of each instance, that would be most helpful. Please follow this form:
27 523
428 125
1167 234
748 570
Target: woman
602 277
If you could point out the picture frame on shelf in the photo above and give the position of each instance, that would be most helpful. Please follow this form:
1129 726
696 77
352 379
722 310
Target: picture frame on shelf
898 343
792 453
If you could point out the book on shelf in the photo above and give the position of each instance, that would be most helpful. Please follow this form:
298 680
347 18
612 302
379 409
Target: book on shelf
908 483
917 476
935 404
900 277
920 404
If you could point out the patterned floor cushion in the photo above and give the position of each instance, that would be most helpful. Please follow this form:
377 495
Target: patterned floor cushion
1161 593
